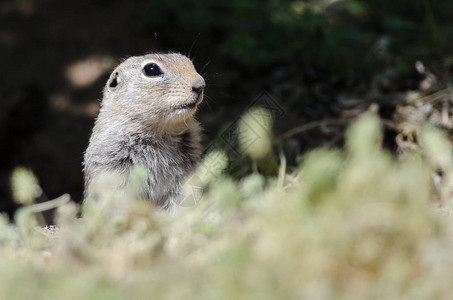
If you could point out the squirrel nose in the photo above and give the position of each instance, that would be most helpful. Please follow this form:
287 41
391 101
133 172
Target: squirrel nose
199 86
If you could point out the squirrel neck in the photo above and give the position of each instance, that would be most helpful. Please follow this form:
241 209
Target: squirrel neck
136 127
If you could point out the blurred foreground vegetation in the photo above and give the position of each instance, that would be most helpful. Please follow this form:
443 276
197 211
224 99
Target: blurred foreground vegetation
352 224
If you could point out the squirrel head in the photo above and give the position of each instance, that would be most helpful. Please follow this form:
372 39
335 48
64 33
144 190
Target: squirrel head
157 88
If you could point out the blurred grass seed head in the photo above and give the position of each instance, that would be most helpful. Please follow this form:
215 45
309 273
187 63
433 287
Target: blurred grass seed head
25 186
255 133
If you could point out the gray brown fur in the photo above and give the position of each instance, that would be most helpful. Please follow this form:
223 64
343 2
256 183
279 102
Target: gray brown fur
141 121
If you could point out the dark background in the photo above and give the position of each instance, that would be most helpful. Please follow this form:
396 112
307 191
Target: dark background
315 60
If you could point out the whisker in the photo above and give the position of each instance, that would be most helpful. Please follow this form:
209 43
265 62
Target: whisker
207 100
191 47
207 64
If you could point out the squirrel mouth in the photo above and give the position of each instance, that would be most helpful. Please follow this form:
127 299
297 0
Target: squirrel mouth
190 105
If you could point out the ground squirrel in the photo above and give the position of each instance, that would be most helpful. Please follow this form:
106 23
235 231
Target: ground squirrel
146 118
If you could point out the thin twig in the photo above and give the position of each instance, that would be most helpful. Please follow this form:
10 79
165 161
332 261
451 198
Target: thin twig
435 96
327 122
312 125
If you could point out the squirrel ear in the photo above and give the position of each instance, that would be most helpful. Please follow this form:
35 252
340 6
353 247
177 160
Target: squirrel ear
114 80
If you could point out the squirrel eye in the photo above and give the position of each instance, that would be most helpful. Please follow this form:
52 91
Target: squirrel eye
152 70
